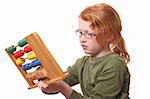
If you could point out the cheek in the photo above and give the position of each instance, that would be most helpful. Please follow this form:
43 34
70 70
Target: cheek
95 45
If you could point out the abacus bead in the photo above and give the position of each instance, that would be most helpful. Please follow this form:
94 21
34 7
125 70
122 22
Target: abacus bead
11 49
20 61
31 56
19 54
26 66
27 49
22 42
35 63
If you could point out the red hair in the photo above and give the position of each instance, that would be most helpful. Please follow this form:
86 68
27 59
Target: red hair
106 22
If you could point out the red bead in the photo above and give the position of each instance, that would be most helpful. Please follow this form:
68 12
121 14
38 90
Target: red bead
19 54
27 49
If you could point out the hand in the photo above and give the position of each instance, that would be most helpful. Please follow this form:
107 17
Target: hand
59 86
48 88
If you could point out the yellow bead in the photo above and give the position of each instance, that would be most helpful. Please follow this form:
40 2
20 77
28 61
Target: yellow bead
20 61
31 56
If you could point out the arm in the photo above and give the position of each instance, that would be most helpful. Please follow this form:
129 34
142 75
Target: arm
108 84
59 86
68 78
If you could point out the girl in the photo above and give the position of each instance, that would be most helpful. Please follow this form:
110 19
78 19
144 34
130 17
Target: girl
103 73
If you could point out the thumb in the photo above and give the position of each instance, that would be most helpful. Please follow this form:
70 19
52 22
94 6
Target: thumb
42 85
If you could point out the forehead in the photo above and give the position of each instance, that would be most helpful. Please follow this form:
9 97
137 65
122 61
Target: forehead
84 25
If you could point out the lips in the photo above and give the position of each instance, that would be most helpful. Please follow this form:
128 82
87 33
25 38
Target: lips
84 46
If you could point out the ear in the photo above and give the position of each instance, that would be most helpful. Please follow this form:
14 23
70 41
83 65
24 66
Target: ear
111 38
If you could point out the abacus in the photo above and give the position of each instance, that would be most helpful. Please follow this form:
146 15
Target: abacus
33 47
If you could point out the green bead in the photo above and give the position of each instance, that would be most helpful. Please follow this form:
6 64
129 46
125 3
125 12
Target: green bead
11 49
22 42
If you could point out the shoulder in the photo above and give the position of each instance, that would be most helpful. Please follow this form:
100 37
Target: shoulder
74 69
113 68
114 63
82 59
115 58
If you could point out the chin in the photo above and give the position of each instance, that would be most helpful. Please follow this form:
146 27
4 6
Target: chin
87 52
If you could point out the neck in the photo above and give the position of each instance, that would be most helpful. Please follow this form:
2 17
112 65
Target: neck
102 53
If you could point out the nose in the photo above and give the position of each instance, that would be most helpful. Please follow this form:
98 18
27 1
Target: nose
82 38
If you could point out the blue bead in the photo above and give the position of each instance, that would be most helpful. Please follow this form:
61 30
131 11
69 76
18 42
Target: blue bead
35 63
26 66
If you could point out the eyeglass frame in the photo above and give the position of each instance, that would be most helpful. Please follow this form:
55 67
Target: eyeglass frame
86 35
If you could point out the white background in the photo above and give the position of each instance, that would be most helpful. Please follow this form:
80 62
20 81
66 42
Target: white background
55 21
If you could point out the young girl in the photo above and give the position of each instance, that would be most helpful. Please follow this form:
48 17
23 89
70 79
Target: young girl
103 74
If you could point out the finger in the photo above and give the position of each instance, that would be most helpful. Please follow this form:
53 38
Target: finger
42 85
39 84
45 85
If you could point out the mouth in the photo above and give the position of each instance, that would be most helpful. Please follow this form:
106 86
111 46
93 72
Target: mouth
84 47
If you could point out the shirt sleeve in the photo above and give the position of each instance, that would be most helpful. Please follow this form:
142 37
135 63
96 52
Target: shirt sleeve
74 73
71 80
73 70
108 83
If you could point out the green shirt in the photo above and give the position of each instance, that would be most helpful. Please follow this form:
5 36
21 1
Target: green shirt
106 77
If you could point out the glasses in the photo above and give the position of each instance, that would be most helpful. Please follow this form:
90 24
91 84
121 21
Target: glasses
86 35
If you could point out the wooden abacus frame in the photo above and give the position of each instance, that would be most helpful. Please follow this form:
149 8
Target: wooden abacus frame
47 61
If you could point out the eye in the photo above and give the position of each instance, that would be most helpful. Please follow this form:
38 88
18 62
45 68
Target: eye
80 32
